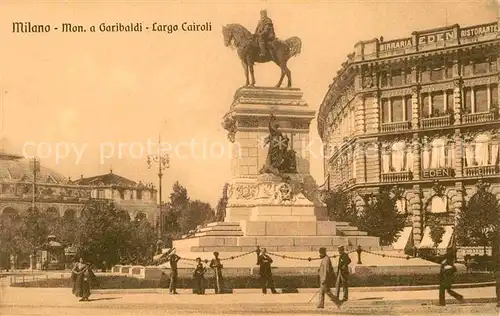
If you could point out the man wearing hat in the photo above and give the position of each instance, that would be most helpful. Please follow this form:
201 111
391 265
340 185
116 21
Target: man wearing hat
216 265
343 271
173 258
326 278
264 32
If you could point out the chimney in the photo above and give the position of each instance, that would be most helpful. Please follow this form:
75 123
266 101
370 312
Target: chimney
81 176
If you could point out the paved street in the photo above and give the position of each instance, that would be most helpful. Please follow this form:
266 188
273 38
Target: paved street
40 301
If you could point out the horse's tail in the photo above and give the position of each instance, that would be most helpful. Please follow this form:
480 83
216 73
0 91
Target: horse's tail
295 45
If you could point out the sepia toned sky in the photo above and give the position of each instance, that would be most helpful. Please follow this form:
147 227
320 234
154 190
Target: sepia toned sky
107 94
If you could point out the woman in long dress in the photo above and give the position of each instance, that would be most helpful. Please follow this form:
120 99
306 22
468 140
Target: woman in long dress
82 275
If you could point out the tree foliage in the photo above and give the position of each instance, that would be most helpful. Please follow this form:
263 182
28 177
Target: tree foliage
340 206
381 218
478 220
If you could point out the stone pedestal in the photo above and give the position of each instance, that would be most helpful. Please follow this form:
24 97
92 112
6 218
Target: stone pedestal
281 212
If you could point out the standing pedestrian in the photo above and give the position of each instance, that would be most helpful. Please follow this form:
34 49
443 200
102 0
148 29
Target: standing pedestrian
446 275
266 276
199 277
343 271
173 258
83 275
217 266
326 277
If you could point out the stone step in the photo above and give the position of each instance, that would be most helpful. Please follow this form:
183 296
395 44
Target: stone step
219 228
341 224
343 228
222 224
354 233
219 233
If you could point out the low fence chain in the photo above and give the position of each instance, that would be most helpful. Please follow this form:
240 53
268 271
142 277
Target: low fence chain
257 251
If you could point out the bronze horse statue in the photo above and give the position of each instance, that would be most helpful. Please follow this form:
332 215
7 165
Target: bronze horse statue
278 51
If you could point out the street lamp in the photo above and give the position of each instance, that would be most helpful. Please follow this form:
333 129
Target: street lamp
163 162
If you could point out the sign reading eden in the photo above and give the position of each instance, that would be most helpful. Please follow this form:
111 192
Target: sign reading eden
437 173
436 37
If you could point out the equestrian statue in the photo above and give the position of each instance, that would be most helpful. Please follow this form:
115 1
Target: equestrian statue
262 47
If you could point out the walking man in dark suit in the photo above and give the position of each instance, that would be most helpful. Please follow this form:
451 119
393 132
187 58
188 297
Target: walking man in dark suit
446 275
343 271
326 278
266 276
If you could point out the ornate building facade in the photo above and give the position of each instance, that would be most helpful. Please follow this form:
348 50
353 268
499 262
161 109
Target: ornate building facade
419 115
62 197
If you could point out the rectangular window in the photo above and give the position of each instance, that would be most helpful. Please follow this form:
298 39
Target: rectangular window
385 111
426 75
467 100
397 110
494 95
408 76
450 101
493 64
468 69
396 78
383 79
437 74
425 105
409 108
481 67
481 99
449 71
438 104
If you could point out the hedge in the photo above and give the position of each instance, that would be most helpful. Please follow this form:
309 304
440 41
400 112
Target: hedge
281 281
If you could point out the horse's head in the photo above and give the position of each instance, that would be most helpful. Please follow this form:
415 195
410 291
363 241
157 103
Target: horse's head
228 35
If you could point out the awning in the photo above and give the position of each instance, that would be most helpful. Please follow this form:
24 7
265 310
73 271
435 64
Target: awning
445 243
404 238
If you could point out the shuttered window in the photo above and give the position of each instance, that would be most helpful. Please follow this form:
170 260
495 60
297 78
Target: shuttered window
481 99
385 111
397 110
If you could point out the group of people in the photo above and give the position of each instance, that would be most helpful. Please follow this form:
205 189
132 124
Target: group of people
327 275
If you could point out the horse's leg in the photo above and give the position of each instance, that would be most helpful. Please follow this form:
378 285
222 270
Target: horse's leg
289 75
250 65
278 60
245 67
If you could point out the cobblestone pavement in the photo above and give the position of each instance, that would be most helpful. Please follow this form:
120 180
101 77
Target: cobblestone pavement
43 301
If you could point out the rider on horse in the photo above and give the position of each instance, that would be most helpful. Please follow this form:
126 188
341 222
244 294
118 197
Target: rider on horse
264 32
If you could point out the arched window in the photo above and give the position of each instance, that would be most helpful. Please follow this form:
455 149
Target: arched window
401 205
440 154
481 151
398 156
52 212
438 204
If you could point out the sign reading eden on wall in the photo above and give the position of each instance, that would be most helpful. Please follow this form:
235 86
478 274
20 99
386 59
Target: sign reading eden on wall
436 37
436 173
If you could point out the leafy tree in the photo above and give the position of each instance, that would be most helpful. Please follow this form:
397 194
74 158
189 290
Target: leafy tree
381 217
11 238
35 229
340 206
477 220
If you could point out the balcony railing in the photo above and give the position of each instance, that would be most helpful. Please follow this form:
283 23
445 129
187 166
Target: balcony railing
478 171
395 127
436 122
397 176
478 117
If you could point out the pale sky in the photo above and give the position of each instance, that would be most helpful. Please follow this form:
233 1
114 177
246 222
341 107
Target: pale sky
97 90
